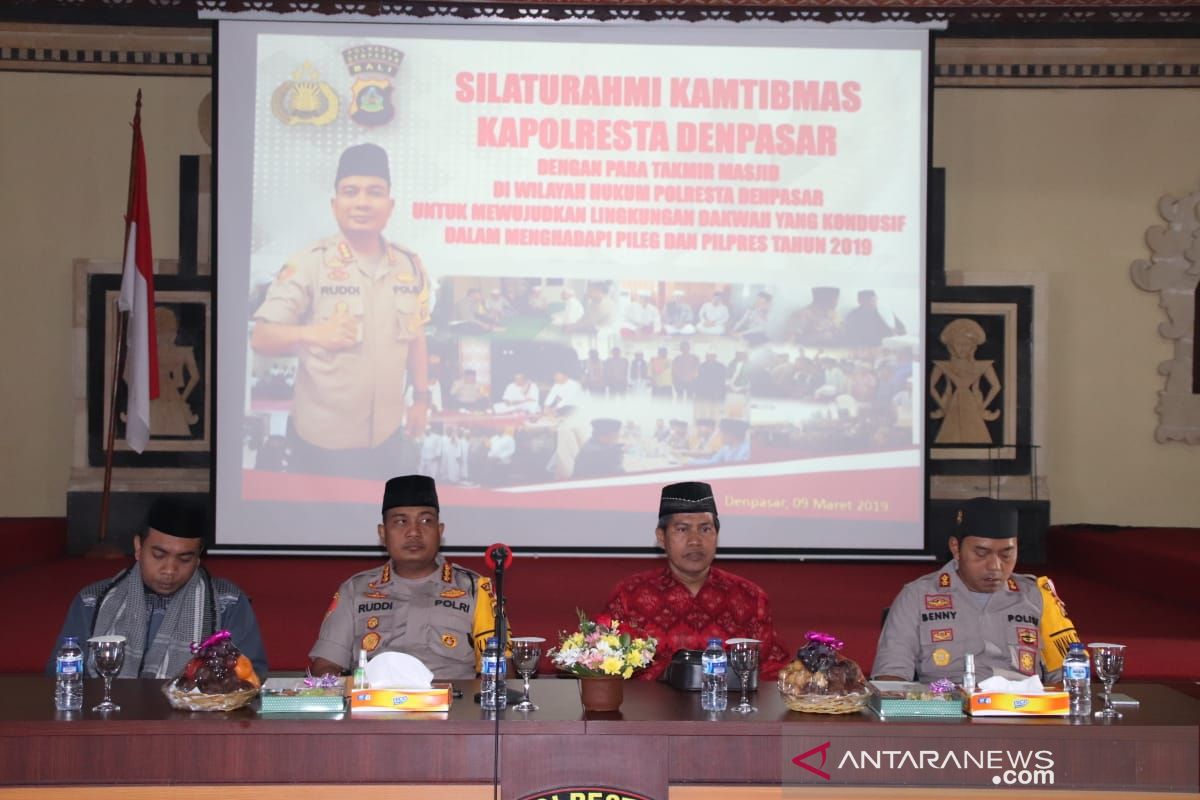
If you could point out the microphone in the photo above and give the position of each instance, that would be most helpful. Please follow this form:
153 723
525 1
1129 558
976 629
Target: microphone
498 557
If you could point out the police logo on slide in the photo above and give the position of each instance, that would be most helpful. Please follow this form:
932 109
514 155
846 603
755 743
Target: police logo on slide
373 67
305 99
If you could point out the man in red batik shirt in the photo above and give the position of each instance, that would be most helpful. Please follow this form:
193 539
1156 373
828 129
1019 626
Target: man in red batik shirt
689 600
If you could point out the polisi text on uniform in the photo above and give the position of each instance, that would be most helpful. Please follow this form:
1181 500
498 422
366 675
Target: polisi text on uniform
336 290
930 616
1026 618
398 289
363 608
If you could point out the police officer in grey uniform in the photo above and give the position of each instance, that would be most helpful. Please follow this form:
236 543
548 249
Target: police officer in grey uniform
1014 625
352 307
416 603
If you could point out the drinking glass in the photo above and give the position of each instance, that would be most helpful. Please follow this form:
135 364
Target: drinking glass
526 651
743 658
1109 660
108 653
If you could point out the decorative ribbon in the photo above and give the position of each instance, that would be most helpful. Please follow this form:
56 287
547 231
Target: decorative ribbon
216 637
825 638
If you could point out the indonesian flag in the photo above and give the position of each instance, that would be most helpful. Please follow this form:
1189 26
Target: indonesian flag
137 297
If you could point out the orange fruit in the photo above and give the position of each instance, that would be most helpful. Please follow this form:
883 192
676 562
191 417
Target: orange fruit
245 670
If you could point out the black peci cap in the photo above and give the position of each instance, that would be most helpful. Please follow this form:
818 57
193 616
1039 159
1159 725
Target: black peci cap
687 498
185 518
986 518
363 159
410 490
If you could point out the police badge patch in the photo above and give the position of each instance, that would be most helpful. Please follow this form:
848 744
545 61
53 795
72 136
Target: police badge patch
941 656
1026 661
332 605
370 641
1027 636
373 67
944 580
450 640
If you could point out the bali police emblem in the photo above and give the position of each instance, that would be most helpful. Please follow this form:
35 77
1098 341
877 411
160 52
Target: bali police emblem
373 66
305 99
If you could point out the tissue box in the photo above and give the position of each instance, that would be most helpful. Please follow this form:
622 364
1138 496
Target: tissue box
290 694
1018 704
436 698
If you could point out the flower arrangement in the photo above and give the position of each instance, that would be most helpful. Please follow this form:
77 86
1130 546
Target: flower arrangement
599 649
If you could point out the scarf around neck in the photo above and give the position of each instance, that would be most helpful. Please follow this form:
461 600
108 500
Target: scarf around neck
125 610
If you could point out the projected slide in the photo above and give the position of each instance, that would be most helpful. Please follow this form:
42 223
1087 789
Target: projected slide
558 267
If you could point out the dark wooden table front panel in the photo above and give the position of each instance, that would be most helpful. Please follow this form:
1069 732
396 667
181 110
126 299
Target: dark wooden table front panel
660 736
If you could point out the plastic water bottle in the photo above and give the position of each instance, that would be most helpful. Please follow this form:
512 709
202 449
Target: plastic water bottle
68 670
493 694
1077 680
714 689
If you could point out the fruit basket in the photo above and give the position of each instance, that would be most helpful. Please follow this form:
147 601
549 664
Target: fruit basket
823 681
217 678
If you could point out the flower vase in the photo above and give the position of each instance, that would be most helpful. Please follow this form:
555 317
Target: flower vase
602 694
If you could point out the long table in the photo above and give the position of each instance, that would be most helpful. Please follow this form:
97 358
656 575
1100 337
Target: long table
660 744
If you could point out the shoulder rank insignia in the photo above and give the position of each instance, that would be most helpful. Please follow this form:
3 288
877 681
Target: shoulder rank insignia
1012 585
344 252
332 604
305 99
447 572
285 272
386 575
450 594
944 580
373 67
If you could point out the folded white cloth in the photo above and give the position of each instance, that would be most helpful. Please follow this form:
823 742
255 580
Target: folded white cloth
1030 685
398 671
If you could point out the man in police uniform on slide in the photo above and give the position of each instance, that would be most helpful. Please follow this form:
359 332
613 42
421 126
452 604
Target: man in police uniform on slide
352 307
416 603
1015 625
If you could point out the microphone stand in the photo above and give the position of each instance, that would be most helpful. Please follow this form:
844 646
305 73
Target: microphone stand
500 626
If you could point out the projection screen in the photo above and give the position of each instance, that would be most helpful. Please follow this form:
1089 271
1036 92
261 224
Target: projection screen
559 266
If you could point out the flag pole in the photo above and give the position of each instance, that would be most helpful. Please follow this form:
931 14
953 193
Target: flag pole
103 548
